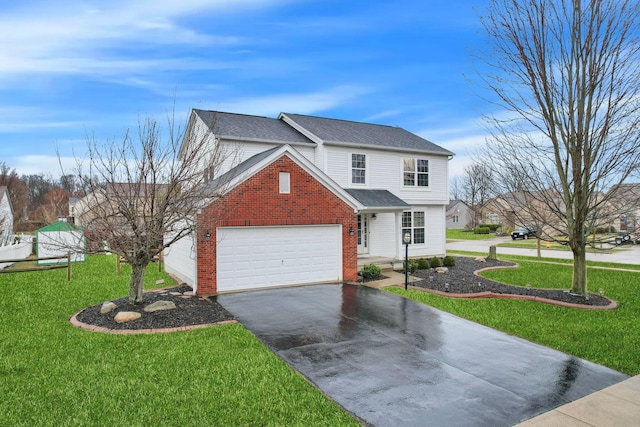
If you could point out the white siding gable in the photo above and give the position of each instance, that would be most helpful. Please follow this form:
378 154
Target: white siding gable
385 171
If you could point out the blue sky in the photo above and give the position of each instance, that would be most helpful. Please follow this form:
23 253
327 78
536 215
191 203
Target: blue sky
72 69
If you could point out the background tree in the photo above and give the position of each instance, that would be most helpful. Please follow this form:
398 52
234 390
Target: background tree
144 192
568 75
475 188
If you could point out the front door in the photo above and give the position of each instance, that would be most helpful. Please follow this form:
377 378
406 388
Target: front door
363 234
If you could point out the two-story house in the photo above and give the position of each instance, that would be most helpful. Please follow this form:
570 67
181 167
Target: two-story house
305 197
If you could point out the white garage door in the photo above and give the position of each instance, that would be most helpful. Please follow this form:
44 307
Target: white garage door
258 257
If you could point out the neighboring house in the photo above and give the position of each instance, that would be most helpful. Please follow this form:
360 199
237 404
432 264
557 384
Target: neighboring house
306 197
6 216
624 204
459 214
103 203
73 202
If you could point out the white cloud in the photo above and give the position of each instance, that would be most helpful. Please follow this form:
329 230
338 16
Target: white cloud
42 164
301 103
76 37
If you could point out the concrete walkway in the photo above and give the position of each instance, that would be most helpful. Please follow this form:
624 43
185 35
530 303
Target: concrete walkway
617 405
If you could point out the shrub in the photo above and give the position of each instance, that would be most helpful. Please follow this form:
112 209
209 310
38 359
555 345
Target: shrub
423 264
448 261
413 266
481 230
491 227
435 262
370 271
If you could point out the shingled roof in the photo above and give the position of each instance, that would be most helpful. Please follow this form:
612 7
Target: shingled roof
291 128
350 133
251 127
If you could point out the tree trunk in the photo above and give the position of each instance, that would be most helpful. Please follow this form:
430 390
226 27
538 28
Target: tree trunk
579 279
136 283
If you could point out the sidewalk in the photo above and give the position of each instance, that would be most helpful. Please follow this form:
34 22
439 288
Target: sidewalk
628 254
618 405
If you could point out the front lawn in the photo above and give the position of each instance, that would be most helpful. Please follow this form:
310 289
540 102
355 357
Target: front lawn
462 234
610 338
54 374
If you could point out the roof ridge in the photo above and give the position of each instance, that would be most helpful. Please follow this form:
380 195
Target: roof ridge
343 120
235 114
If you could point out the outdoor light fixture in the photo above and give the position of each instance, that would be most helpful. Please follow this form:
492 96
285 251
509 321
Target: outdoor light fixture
207 235
406 239
351 232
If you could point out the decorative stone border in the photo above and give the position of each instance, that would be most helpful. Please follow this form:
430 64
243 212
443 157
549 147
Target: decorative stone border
75 322
488 294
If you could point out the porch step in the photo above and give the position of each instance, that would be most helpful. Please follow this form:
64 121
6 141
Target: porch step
383 263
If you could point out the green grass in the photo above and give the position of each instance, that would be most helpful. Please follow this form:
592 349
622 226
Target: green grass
54 374
610 338
461 234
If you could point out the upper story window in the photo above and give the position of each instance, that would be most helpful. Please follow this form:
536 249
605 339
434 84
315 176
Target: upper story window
415 172
285 182
358 168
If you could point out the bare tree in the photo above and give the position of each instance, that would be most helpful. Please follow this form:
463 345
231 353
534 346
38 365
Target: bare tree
144 192
568 75
476 187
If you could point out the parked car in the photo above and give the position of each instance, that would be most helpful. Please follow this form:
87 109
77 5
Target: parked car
524 233
624 237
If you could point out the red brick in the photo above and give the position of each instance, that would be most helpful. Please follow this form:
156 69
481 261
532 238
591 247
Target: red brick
258 202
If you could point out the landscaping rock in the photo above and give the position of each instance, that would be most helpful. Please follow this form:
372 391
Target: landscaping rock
107 307
481 259
127 316
442 270
159 282
175 293
160 305
189 293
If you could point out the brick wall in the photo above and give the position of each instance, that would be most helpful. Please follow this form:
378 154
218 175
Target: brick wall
258 202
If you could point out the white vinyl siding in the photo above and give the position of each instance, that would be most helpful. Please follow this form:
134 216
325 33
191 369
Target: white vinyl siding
180 260
384 171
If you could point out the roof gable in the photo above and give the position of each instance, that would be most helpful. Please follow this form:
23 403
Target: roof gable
255 164
243 126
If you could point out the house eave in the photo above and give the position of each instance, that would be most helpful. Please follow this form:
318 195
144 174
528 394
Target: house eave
267 141
387 148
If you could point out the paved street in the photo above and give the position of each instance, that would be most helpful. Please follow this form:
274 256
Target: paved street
627 254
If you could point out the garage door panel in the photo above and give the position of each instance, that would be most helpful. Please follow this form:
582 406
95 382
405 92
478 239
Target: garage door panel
254 257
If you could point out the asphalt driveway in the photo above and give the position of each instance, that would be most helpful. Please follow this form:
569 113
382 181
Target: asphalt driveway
392 361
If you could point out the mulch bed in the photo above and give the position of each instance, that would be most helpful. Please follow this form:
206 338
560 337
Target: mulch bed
189 311
460 279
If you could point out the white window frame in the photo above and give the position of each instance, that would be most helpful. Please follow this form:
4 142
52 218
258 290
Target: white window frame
285 182
352 169
415 173
412 227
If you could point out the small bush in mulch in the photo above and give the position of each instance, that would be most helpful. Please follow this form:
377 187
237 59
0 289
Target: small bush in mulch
189 311
461 280
370 272
423 264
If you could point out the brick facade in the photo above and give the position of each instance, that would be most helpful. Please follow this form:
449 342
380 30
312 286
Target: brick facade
258 202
